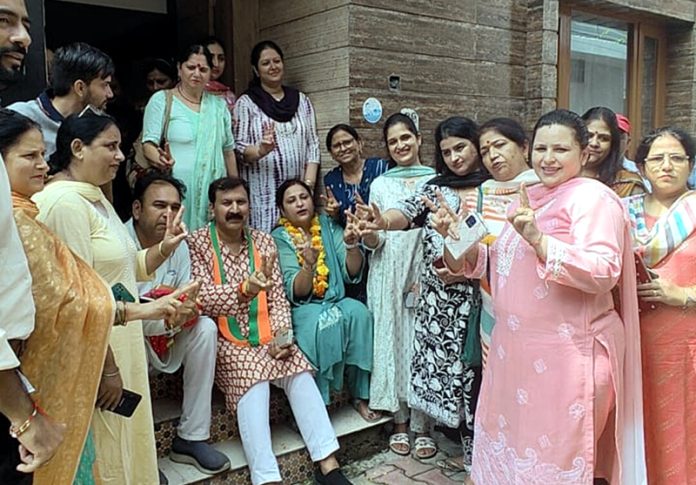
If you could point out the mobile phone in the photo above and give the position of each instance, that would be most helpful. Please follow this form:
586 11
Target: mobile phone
128 403
121 293
471 230
283 338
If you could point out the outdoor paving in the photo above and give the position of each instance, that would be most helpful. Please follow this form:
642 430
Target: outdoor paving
387 468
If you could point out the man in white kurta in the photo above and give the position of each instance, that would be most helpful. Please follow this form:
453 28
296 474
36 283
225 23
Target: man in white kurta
195 346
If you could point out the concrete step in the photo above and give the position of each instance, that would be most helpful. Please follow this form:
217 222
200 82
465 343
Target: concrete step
357 437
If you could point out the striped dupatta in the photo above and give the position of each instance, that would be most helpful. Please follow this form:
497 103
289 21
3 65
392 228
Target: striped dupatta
670 230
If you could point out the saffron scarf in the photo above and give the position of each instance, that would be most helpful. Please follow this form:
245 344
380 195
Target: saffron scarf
259 321
670 230
65 353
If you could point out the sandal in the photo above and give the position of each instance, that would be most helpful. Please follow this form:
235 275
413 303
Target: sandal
425 447
369 415
400 439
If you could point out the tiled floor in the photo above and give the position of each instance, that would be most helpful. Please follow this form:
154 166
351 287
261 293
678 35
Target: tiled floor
390 469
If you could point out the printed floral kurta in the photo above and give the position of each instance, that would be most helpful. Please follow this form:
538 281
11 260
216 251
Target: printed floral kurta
562 361
239 368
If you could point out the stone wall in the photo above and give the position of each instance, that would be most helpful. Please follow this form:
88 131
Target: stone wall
477 58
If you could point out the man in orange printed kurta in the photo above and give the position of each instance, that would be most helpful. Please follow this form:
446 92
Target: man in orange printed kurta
242 289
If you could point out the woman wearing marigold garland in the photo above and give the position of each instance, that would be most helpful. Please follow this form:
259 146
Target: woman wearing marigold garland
318 258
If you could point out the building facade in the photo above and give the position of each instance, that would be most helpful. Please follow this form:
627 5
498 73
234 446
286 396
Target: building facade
485 58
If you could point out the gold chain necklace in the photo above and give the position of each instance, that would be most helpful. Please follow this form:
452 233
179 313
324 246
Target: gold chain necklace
181 92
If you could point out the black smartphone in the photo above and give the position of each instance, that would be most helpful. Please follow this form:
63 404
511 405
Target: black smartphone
129 402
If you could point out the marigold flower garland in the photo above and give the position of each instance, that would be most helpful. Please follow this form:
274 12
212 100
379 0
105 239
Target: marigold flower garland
320 283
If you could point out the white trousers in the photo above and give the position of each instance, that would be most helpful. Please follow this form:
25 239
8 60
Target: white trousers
196 349
255 429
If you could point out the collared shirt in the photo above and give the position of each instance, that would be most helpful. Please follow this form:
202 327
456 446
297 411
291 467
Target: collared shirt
16 302
175 272
42 111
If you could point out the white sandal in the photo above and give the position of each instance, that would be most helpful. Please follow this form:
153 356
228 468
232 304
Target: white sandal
425 443
400 439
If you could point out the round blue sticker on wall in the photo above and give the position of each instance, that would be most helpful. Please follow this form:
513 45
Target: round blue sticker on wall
372 110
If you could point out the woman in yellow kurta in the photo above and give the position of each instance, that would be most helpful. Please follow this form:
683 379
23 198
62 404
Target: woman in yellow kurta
74 207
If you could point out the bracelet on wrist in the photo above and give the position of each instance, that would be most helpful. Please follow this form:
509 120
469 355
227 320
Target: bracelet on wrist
159 250
352 246
17 431
111 374
120 316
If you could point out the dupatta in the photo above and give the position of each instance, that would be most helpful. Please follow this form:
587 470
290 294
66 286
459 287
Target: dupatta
670 230
210 161
65 354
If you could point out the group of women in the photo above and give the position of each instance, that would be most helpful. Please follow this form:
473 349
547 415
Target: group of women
576 384
198 131
530 344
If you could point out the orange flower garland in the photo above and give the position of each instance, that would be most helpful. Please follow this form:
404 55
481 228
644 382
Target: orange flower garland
320 283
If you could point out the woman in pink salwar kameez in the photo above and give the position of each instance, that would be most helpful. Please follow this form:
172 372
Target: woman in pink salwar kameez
664 231
560 401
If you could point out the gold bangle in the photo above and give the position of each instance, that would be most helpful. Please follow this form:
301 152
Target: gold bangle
17 431
159 250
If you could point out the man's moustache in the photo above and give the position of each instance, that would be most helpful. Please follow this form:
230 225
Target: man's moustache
233 217
14 49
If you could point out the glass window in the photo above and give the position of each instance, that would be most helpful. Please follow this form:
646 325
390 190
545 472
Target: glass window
598 63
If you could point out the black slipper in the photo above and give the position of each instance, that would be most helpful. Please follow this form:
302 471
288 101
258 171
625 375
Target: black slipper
334 477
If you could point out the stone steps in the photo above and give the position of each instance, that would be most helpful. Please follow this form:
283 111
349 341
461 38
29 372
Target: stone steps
357 438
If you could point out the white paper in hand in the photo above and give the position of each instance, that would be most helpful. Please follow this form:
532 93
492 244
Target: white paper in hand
471 230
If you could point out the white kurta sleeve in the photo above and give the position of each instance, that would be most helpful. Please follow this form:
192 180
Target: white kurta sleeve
16 303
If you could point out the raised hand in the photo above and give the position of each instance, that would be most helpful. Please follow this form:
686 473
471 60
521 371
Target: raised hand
523 219
331 205
309 254
267 143
165 162
444 219
260 279
181 305
353 232
175 233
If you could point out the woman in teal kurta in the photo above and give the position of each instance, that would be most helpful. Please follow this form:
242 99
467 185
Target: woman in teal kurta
333 331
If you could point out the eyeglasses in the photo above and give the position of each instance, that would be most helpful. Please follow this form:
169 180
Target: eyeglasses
92 110
675 159
342 144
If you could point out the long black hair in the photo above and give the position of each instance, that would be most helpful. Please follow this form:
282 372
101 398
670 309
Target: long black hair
612 163
461 127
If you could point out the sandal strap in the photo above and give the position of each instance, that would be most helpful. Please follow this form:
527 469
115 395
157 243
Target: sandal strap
425 442
399 439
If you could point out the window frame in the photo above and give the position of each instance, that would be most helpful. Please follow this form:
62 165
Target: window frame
639 27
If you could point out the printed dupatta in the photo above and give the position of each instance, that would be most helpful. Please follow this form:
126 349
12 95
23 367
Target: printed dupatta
259 321
670 230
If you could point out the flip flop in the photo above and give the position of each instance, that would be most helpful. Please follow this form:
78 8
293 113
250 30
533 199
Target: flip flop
400 439
425 443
